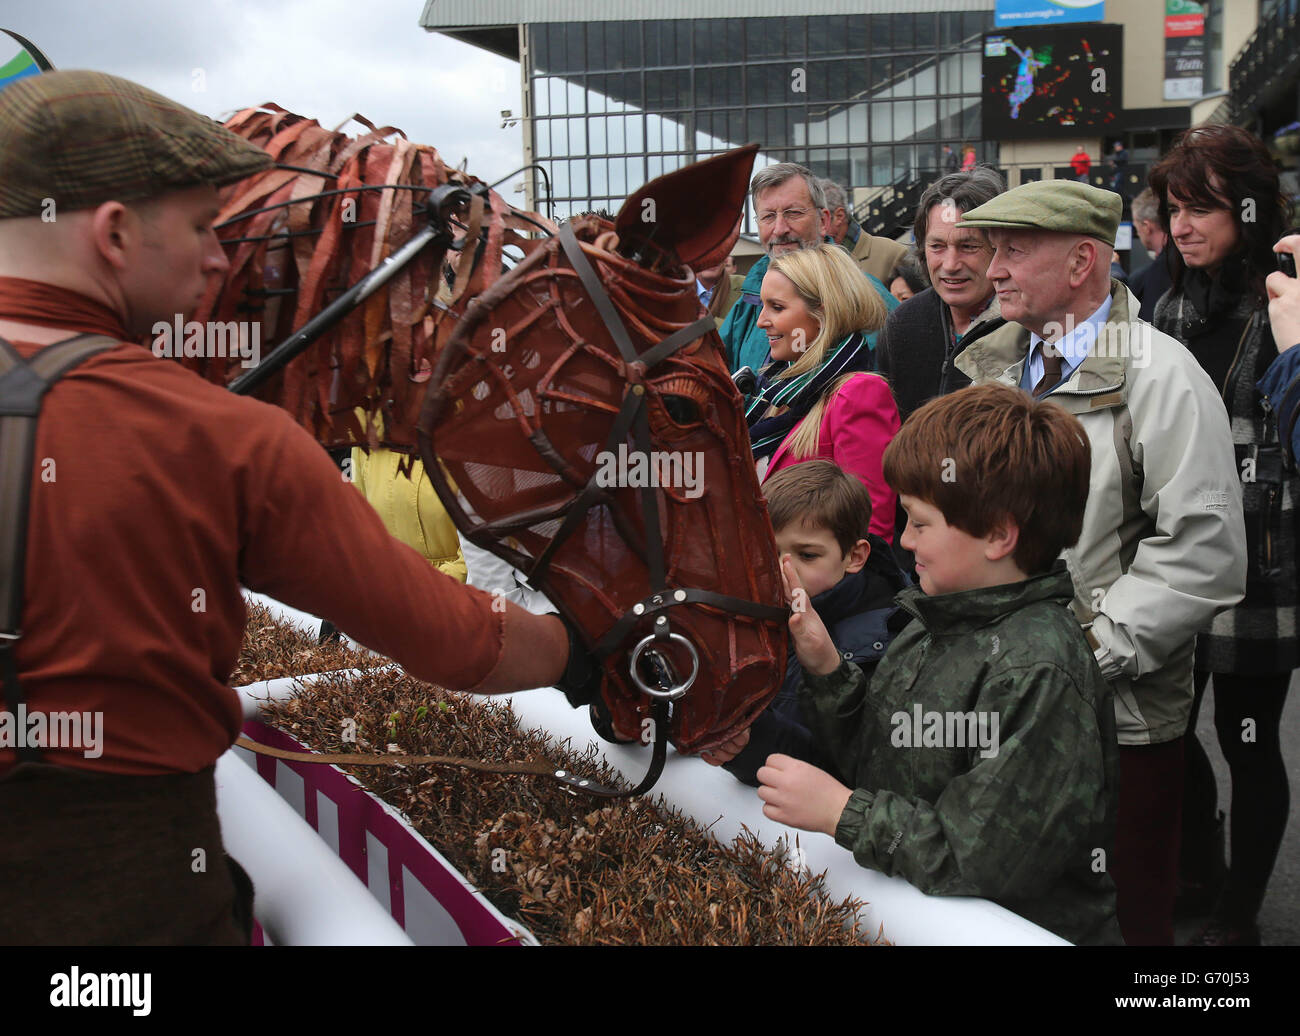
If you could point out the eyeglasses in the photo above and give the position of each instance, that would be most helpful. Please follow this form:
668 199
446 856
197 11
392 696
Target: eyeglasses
789 215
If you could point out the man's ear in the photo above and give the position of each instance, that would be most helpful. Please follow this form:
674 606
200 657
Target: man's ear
1083 259
1002 541
826 222
857 556
115 232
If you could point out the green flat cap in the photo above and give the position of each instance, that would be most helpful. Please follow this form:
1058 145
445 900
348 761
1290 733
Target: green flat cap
84 138
1063 205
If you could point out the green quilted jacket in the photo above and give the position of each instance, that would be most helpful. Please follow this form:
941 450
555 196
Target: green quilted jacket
984 755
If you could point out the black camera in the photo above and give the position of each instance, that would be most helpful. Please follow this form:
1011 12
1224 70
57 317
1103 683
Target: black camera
1286 260
746 380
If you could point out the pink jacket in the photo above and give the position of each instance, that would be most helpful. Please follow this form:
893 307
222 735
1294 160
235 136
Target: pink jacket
857 425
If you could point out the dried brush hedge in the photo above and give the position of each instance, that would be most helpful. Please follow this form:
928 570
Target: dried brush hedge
574 870
274 649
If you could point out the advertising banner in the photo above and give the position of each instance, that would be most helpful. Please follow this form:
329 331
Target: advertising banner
1184 49
1047 12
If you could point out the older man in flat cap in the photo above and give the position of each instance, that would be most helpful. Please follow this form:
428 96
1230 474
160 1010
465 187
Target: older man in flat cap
151 496
1163 545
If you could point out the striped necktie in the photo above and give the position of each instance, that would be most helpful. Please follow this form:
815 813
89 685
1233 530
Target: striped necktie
1051 370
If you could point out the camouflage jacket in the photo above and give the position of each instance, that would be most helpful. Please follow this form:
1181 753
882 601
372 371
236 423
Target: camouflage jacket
984 755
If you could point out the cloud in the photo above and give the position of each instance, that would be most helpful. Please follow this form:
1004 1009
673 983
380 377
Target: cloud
325 59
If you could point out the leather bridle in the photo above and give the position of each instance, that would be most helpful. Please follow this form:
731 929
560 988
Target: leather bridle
631 418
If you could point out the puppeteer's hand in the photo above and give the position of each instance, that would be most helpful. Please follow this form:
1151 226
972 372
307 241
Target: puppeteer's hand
799 794
726 751
812 643
1284 299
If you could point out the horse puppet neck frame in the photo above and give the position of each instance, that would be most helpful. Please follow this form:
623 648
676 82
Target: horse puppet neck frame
442 202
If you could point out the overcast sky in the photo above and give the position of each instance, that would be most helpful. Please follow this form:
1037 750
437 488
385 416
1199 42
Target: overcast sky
321 58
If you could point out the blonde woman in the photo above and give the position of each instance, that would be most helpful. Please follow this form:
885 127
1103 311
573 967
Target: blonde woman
817 399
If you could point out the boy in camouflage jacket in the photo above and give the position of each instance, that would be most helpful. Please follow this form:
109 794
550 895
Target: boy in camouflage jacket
983 749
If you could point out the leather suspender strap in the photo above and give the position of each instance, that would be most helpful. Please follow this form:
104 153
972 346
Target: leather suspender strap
23 384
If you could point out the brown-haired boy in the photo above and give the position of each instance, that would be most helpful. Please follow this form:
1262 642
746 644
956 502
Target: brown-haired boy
821 516
983 749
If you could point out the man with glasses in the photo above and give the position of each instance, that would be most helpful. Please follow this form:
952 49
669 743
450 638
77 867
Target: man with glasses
792 214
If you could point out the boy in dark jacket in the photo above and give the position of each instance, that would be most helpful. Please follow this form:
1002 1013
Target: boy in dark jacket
983 750
821 515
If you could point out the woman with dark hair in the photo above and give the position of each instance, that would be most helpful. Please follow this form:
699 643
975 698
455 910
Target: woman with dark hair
907 278
1221 205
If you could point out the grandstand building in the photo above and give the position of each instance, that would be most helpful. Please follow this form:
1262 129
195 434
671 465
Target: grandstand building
867 92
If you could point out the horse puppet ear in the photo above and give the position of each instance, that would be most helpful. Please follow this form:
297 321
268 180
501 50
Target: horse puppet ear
691 215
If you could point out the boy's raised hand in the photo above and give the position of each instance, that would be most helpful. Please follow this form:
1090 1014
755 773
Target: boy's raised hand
799 794
812 643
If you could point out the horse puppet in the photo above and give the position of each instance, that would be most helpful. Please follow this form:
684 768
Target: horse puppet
573 410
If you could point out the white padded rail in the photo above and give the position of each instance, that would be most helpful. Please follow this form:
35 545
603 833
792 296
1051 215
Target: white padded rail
305 895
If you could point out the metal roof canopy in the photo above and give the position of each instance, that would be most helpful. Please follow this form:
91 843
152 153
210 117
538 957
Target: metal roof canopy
489 24
457 14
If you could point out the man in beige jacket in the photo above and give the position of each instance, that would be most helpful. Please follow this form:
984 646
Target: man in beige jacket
1163 546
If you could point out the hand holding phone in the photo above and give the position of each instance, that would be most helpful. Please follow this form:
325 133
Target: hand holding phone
1284 294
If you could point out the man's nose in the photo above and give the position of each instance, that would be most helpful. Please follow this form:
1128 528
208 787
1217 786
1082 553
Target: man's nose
215 261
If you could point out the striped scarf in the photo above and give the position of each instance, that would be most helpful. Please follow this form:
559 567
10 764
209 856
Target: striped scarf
798 395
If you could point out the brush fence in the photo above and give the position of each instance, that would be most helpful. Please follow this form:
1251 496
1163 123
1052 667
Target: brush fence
334 864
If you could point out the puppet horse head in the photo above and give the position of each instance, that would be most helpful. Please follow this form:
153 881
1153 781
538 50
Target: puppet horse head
581 424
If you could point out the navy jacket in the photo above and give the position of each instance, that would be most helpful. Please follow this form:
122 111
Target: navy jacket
1281 384
860 613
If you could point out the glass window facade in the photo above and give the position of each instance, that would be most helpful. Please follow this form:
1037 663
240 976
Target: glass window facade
864 99
1213 47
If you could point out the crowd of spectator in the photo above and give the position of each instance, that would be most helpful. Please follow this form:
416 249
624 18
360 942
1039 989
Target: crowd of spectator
1181 573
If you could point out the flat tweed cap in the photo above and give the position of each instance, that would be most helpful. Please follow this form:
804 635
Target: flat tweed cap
84 138
1063 205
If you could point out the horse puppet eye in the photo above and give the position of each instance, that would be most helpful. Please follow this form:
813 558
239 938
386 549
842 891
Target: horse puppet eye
684 401
682 409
